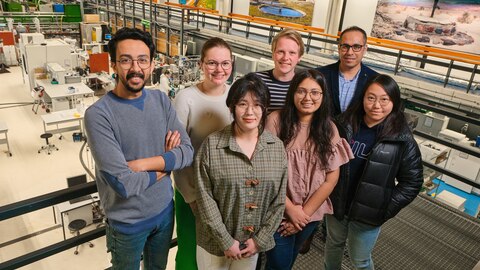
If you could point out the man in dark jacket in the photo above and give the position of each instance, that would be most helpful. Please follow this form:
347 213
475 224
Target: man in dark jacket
347 77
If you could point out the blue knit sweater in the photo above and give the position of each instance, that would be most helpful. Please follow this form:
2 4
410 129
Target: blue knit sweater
121 130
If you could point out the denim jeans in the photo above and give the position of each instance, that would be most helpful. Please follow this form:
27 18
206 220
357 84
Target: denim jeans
127 249
361 239
283 255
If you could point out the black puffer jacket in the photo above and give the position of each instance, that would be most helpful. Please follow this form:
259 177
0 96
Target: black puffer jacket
378 197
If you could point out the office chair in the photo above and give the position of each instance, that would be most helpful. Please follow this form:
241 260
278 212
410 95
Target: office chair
48 147
75 226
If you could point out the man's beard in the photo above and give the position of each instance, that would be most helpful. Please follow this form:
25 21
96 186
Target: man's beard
131 75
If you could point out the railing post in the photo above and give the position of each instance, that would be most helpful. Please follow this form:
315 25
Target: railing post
474 71
309 41
124 23
133 13
397 64
447 76
181 32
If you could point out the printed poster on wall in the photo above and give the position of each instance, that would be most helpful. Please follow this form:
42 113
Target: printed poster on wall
452 25
300 12
210 4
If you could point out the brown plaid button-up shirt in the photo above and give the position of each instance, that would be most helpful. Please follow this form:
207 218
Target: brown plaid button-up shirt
235 194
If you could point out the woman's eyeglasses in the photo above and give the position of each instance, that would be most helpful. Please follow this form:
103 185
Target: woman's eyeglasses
211 65
383 101
257 107
314 94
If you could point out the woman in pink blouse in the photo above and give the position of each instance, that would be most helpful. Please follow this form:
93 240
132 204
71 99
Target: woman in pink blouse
315 152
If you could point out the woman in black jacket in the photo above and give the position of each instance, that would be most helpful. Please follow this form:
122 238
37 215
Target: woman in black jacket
385 176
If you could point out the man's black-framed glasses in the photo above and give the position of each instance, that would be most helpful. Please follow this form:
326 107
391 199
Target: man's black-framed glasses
127 63
355 47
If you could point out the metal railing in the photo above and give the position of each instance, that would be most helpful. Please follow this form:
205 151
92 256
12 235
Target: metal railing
46 200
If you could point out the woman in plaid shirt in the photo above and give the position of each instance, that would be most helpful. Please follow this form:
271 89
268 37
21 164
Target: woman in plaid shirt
240 177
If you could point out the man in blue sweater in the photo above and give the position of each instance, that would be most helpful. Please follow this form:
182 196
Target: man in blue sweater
136 141
347 77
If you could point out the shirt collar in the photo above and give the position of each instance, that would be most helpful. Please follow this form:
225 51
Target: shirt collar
354 77
227 140
136 102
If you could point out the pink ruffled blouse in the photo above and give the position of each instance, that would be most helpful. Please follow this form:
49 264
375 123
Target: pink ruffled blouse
305 173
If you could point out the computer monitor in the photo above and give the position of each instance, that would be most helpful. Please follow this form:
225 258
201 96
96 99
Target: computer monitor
75 181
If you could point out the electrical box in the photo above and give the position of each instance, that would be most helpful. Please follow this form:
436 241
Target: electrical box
244 64
97 34
46 7
191 47
60 104
451 199
56 72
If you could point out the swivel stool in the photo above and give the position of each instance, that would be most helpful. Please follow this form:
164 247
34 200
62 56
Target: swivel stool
48 147
75 226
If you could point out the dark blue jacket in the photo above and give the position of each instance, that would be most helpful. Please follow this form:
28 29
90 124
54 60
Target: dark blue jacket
331 75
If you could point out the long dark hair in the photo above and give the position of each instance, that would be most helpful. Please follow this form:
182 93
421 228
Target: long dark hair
255 85
394 123
321 130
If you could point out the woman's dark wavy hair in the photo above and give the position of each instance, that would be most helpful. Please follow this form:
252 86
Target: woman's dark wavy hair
253 84
130 33
321 130
394 123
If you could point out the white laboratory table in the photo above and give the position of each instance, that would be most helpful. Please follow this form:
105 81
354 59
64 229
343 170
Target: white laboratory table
60 118
4 131
66 212
61 97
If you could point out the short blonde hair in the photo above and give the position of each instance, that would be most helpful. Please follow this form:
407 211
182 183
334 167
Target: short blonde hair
290 34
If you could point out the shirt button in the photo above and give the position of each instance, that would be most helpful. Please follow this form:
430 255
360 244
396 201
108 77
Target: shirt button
250 193
249 215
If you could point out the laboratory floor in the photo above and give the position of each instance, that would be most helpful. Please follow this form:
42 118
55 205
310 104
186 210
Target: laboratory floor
28 174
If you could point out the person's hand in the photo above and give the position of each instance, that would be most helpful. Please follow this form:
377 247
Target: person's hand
251 248
297 217
287 228
135 165
233 252
160 175
172 140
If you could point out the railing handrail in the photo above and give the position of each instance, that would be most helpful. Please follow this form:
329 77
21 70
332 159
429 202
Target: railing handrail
42 201
46 200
